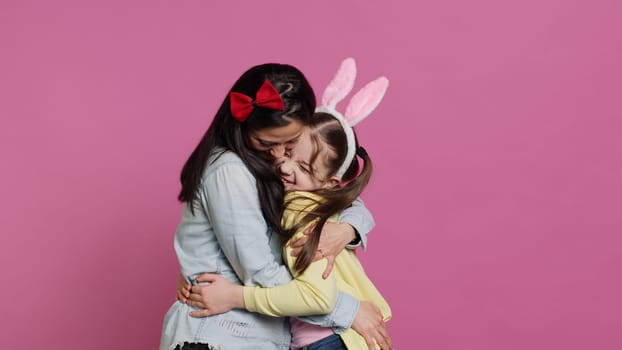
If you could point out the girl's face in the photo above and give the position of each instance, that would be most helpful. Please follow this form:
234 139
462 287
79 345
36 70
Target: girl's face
274 143
297 172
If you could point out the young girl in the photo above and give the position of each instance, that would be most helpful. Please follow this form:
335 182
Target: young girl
232 208
322 179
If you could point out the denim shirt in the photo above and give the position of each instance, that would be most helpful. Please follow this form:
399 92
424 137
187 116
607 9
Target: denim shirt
227 235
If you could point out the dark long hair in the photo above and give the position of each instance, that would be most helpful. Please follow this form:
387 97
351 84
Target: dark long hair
326 131
228 134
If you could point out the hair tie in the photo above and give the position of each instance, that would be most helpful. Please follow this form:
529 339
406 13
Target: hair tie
361 152
267 96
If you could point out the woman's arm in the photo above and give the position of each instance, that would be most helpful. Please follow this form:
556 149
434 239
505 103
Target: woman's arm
361 220
303 295
307 294
230 200
355 223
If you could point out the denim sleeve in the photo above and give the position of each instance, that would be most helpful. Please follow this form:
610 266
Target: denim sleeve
346 307
342 316
232 206
360 219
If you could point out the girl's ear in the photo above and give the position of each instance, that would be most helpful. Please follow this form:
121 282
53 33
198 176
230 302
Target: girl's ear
331 183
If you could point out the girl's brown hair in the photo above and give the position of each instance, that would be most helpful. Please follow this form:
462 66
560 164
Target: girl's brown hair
326 131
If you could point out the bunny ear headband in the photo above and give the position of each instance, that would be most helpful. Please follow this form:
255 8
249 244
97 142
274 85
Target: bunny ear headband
360 106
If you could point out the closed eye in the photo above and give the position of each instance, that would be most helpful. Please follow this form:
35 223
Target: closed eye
293 141
266 144
304 167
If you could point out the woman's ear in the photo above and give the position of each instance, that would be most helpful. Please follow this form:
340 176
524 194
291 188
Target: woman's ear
331 183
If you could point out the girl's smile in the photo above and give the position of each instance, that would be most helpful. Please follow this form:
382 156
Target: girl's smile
301 171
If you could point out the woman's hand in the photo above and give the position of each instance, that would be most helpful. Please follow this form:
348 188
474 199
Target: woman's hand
334 238
369 323
183 289
217 297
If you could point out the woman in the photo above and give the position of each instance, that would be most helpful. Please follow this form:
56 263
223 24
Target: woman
231 215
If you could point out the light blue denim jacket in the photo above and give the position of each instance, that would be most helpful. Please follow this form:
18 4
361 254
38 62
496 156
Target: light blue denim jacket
227 235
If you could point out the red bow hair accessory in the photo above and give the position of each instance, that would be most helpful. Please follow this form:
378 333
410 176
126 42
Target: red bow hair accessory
267 96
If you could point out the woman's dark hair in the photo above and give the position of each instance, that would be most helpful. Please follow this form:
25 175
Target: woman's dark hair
226 133
326 131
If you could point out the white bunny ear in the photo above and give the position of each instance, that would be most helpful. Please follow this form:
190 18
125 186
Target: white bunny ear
366 100
341 85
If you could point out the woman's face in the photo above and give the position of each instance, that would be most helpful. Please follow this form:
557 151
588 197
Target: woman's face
297 172
274 143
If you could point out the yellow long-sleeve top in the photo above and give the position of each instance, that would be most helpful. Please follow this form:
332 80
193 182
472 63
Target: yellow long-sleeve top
308 293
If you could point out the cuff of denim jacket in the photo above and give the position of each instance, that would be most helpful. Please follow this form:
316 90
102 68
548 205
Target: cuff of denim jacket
344 312
361 229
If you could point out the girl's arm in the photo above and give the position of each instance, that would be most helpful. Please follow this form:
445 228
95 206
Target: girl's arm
307 294
224 296
230 200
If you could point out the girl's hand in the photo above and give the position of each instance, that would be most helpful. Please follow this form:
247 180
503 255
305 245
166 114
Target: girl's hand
217 297
334 238
183 289
369 323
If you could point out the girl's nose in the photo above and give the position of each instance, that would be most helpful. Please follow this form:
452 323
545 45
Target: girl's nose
285 167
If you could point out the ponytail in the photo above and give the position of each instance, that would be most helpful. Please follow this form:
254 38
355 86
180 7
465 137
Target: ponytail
333 201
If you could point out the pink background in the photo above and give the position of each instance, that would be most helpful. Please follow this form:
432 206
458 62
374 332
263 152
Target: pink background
497 151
